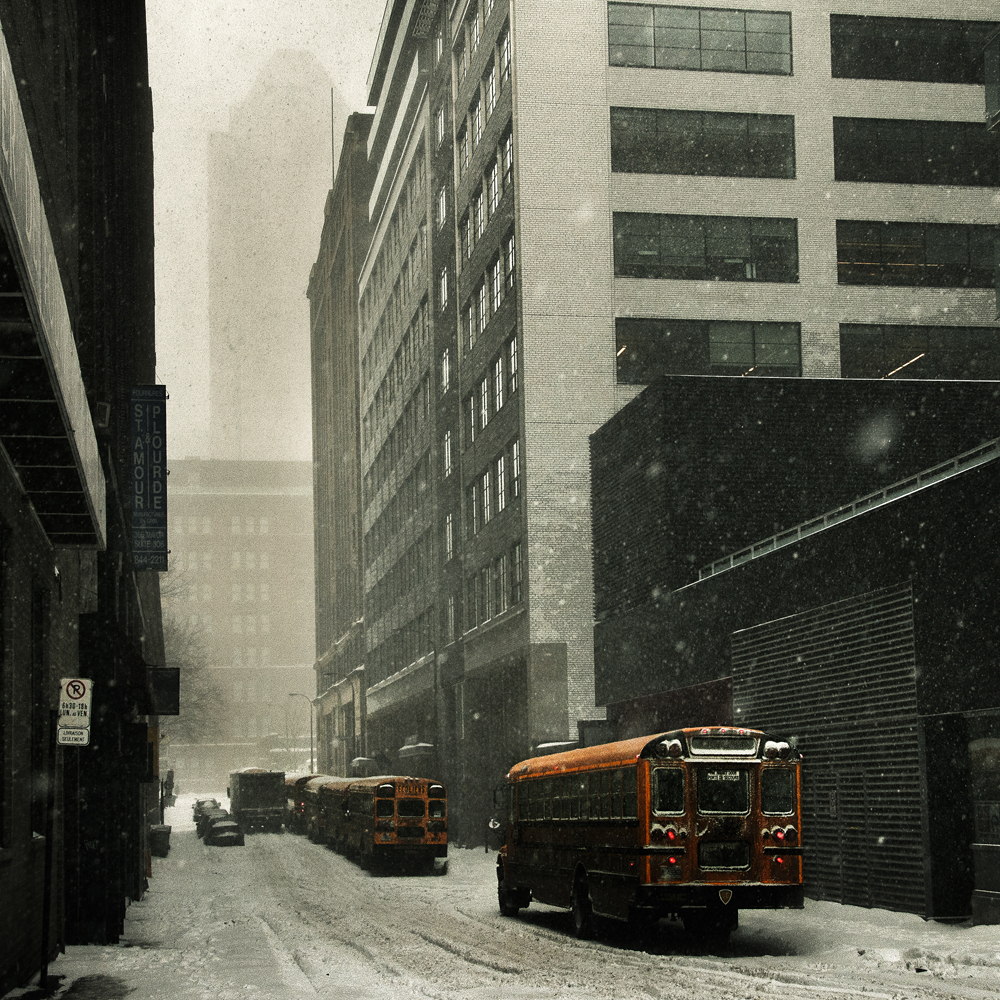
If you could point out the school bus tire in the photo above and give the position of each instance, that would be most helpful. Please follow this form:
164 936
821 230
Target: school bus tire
582 909
509 900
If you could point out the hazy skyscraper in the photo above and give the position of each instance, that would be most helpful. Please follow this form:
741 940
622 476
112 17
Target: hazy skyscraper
268 178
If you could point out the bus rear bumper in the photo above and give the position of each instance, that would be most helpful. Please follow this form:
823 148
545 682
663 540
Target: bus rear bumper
662 899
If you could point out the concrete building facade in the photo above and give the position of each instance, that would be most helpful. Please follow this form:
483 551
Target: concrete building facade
337 534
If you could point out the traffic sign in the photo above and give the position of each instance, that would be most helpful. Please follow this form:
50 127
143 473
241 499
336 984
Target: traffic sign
75 699
66 737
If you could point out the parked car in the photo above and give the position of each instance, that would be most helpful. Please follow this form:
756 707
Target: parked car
200 805
207 815
224 831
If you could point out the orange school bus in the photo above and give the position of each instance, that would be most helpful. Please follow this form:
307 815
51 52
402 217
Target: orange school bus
696 823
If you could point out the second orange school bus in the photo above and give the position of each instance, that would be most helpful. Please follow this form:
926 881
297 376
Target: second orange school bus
697 823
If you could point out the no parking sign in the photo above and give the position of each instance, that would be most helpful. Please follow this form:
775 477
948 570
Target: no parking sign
75 700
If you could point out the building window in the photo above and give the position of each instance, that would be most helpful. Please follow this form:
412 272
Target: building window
931 352
471 509
463 152
472 331
496 284
443 287
481 314
931 254
908 48
447 453
498 384
501 484
474 30
893 151
493 187
487 497
442 206
476 122
508 262
490 89
515 468
484 402
478 216
516 574
507 160
449 537
461 62
500 585
702 143
468 239
438 44
512 364
485 594
440 125
733 41
445 369
648 348
505 57
705 247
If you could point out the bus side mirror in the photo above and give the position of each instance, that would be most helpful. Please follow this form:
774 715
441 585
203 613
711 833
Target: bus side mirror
498 796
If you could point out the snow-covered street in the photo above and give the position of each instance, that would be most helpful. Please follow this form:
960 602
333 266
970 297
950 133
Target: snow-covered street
284 918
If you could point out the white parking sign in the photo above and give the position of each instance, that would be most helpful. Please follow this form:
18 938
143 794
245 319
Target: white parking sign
75 697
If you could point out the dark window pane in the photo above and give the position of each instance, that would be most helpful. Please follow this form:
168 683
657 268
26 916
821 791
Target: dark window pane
906 48
668 791
921 352
777 790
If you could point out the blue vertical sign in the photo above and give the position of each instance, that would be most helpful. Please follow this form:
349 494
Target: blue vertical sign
149 476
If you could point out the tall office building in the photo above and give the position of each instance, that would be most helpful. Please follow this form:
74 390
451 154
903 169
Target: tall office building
268 175
571 201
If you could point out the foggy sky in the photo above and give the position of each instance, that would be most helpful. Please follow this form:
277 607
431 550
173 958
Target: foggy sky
204 57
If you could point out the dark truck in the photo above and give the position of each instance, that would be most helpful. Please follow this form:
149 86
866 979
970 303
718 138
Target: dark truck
257 798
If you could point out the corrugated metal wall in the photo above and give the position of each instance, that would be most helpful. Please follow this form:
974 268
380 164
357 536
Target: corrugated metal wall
842 680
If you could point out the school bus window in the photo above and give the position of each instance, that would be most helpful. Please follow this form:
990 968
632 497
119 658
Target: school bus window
630 794
616 794
384 807
410 808
547 798
777 791
723 790
668 791
435 809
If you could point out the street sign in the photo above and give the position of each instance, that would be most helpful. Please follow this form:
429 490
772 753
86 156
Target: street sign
75 698
66 737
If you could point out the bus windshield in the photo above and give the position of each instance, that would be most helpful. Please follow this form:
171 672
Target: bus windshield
668 791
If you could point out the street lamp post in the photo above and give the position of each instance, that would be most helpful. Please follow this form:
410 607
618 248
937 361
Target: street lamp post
296 694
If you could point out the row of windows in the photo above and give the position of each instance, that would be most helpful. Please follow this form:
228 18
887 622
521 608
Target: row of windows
498 175
928 50
496 77
408 356
915 253
649 348
248 525
723 144
250 592
401 646
404 504
497 387
722 790
411 570
489 492
201 622
908 48
405 431
699 247
495 588
607 794
733 41
496 284
924 352
408 211
728 248
250 624
251 656
914 152
191 525
704 143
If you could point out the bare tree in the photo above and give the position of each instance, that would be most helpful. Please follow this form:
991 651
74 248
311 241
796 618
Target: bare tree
186 644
